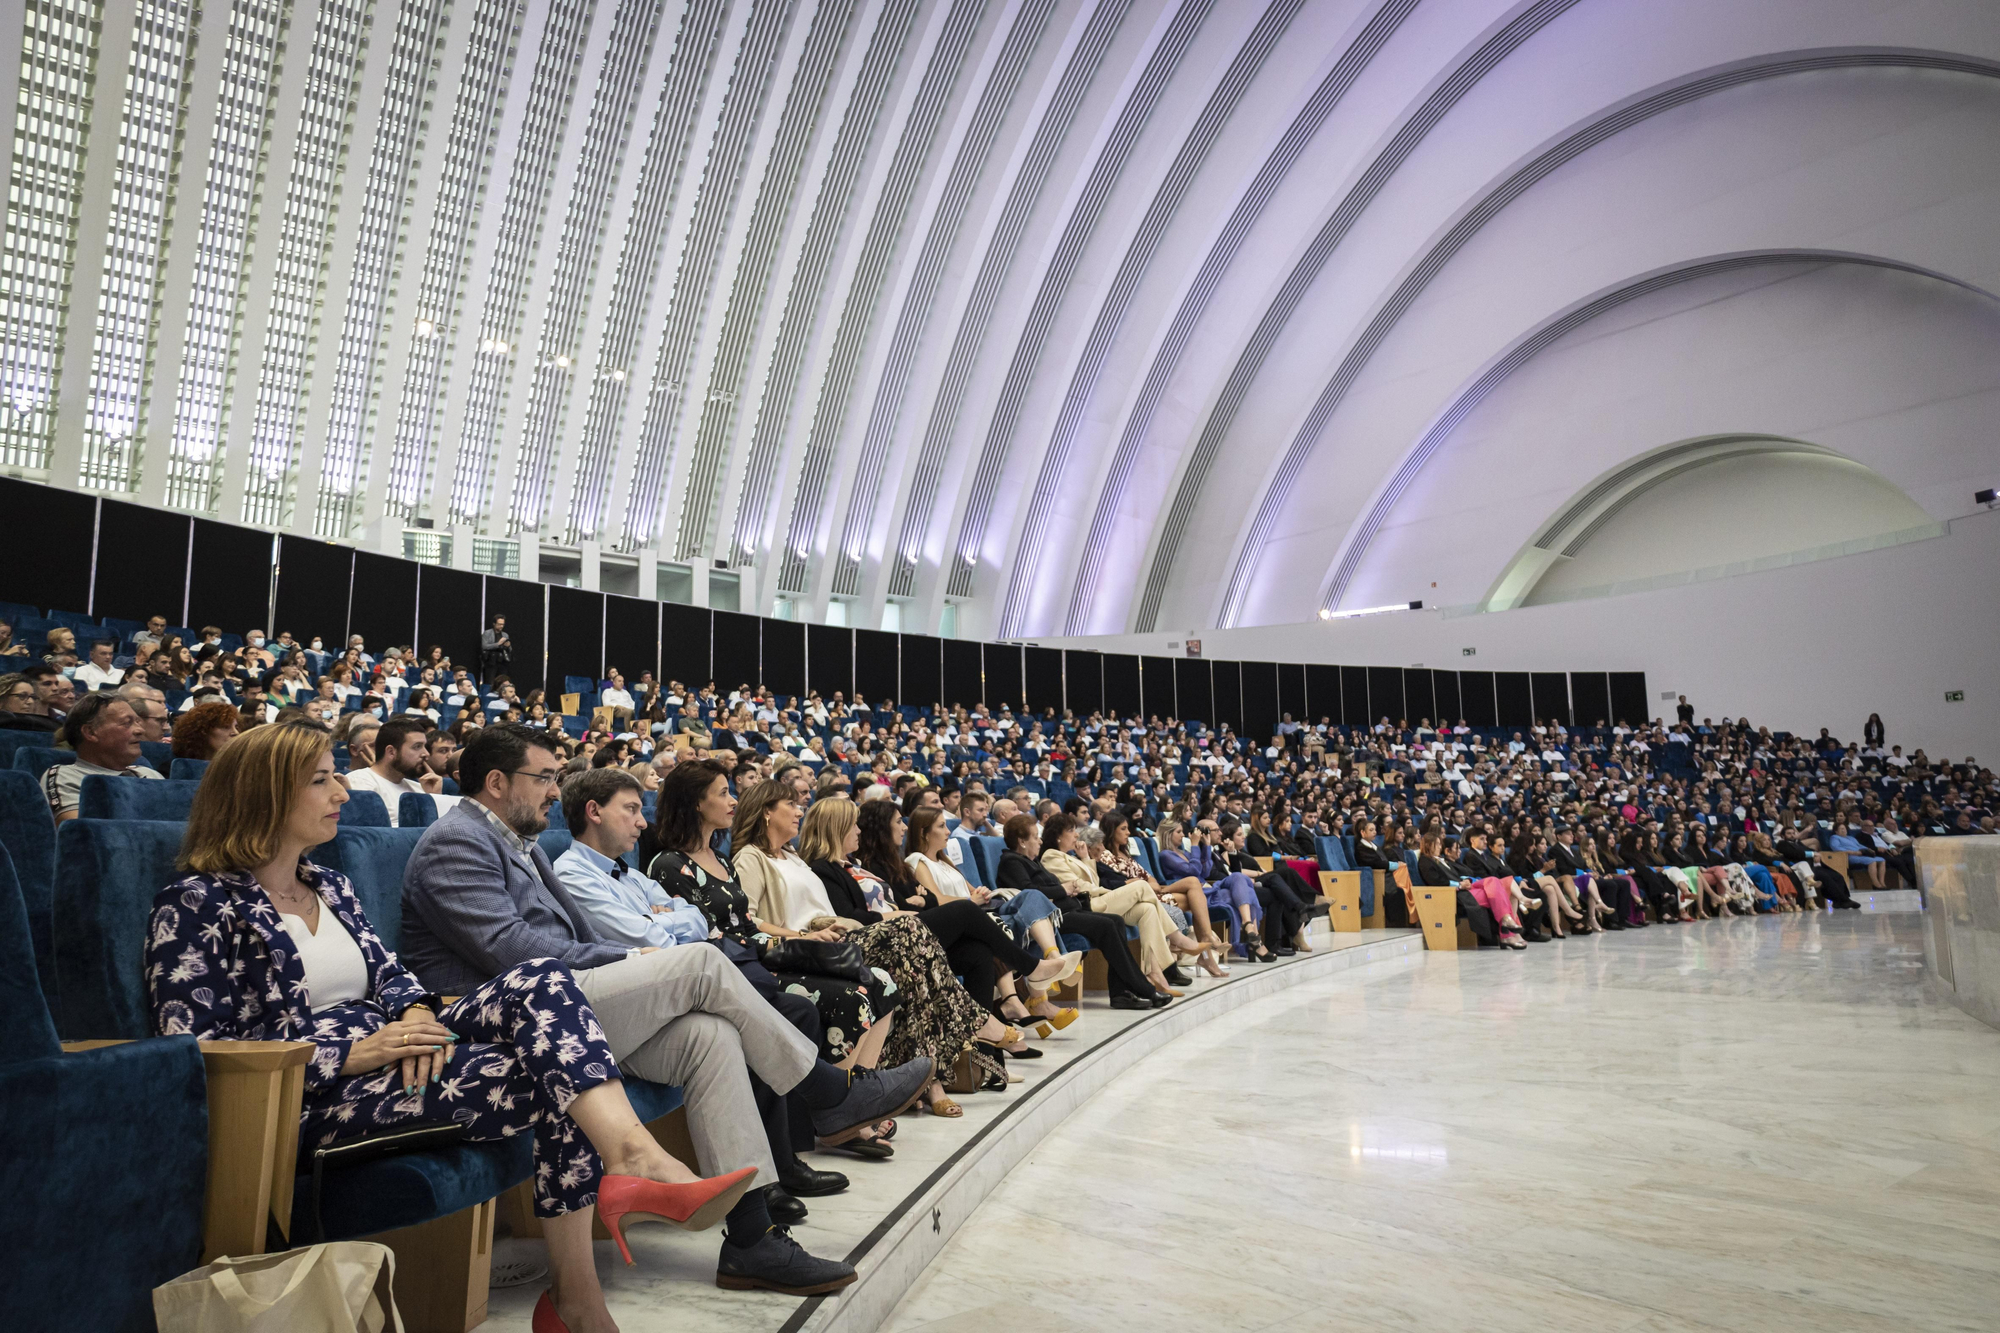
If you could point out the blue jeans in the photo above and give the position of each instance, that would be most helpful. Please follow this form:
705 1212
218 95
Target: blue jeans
1023 910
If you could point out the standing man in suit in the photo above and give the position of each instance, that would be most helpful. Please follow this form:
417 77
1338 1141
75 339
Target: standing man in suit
496 651
480 896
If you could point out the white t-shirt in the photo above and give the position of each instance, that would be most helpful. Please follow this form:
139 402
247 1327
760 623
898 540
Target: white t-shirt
336 973
950 884
62 784
367 779
91 677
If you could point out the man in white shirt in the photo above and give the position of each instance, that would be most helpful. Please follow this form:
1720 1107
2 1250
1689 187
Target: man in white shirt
98 673
104 732
399 767
617 698
603 807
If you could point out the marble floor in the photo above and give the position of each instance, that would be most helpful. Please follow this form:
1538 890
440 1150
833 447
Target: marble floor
1758 1124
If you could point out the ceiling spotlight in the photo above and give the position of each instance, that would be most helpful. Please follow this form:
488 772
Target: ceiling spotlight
618 375
562 363
1325 614
425 328
1986 497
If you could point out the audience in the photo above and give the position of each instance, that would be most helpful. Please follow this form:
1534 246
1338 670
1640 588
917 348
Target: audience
400 765
103 730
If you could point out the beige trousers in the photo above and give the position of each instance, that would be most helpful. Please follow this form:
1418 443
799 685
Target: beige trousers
1140 906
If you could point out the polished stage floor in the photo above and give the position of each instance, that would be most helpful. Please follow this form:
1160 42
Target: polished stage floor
1754 1124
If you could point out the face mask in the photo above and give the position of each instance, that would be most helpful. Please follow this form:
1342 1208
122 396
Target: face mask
256 641
375 712
316 645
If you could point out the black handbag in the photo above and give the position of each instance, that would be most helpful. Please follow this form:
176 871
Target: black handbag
367 1148
841 959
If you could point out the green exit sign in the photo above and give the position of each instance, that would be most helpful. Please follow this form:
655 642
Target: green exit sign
1954 696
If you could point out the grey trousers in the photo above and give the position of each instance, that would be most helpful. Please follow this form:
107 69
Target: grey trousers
686 1016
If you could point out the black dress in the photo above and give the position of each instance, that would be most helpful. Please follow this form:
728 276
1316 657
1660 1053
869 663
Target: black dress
846 1008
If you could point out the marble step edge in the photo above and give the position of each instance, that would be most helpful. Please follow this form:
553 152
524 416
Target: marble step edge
892 1256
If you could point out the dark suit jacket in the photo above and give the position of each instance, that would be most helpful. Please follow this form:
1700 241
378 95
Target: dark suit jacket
471 910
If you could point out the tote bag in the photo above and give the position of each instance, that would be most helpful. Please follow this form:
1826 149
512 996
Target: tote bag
339 1287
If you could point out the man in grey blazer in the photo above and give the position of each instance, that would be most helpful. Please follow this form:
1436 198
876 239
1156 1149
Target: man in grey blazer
480 896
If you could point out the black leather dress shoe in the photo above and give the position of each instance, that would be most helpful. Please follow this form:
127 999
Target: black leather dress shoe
803 1181
786 1211
1161 999
1177 976
1123 1001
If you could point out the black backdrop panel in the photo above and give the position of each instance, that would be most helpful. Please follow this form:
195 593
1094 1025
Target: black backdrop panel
1512 701
1121 684
230 577
521 602
631 636
384 609
1354 697
576 637
1194 689
1419 695
1260 700
961 673
1385 694
1228 686
43 518
1292 690
737 651
1083 682
1156 687
447 611
1475 698
785 657
1551 689
313 579
1630 703
142 558
1449 709
1590 698
923 671
875 665
1322 692
1003 675
686 637
830 660
1044 680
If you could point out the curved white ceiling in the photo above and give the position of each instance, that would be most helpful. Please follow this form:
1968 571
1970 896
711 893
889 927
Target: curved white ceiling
1092 315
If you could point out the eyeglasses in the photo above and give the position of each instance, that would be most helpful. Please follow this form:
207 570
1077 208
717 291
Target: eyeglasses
539 779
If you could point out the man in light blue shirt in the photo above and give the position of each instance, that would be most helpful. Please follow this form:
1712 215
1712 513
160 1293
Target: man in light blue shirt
605 816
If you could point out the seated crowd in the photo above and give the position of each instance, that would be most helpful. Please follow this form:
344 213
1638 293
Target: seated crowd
861 960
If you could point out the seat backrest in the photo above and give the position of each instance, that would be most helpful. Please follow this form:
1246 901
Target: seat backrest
28 832
103 797
35 760
159 754
416 809
107 871
188 770
555 840
373 860
31 1031
364 809
11 741
986 851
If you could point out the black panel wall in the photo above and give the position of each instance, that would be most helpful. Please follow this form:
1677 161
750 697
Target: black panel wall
1156 687
1043 681
42 518
576 638
830 660
1121 684
1590 698
875 669
1260 700
1445 685
1003 676
1292 690
229 579
923 671
631 636
1385 694
1551 691
686 633
1229 695
1322 692
962 684
1354 696
1475 698
1512 699
1083 682
313 581
1419 695
737 651
384 608
1194 689
521 602
142 564
447 612
785 657
1630 703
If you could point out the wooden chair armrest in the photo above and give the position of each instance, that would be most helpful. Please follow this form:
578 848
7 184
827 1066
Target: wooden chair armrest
255 1091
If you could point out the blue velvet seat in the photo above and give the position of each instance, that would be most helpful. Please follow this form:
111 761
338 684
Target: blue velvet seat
35 760
159 754
364 809
88 1179
373 860
188 770
416 809
122 798
27 831
11 741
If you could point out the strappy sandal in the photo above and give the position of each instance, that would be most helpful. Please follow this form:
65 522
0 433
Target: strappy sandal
944 1108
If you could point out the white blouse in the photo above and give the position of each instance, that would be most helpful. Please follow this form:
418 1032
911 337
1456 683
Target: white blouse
950 884
805 896
336 973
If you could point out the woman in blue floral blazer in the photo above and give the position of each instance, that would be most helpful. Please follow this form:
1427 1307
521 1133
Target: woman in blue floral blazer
237 947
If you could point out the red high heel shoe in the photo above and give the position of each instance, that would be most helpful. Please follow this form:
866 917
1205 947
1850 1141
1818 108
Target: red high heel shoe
695 1206
546 1319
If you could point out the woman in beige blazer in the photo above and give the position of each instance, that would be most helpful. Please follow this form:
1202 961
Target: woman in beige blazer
1136 903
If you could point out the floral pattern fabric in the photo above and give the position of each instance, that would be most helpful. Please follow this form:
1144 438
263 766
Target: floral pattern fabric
219 966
